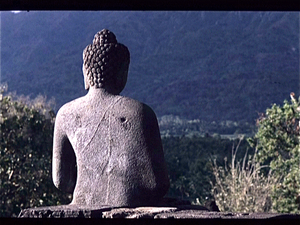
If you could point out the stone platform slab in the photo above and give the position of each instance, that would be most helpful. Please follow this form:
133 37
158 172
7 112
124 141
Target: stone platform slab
178 212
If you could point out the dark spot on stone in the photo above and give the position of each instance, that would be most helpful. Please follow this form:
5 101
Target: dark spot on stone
123 119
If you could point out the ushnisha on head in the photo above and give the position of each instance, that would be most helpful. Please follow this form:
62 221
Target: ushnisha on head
106 63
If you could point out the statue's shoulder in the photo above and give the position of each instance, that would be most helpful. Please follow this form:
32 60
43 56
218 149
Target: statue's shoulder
134 108
72 107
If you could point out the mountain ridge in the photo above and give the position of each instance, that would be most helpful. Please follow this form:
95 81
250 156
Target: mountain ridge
213 66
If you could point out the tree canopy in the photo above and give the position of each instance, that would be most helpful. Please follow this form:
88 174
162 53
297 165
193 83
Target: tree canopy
25 147
277 142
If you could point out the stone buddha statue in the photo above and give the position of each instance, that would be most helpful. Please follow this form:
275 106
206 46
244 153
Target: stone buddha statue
107 149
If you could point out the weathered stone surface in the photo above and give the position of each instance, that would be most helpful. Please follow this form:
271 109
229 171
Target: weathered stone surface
107 148
63 211
137 213
202 214
180 212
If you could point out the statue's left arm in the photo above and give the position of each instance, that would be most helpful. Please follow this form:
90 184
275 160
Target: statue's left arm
154 143
63 159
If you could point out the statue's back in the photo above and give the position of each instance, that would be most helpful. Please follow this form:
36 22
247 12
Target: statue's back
120 159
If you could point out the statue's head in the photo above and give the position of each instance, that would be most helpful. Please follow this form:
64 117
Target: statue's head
106 63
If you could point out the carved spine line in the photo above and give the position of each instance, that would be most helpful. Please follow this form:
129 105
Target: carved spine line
109 157
109 107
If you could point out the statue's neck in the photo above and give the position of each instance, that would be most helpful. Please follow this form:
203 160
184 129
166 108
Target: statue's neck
100 94
100 97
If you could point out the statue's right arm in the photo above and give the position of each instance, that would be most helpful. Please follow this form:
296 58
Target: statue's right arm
63 159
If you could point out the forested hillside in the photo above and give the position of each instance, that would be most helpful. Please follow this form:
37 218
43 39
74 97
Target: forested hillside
212 66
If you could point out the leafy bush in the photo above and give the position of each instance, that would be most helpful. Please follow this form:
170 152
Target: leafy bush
241 186
25 147
189 165
277 141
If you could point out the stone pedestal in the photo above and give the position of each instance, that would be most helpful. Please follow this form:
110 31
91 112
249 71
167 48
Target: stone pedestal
63 211
171 212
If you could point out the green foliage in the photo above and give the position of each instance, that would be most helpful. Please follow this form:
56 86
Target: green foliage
241 186
277 141
189 164
25 147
